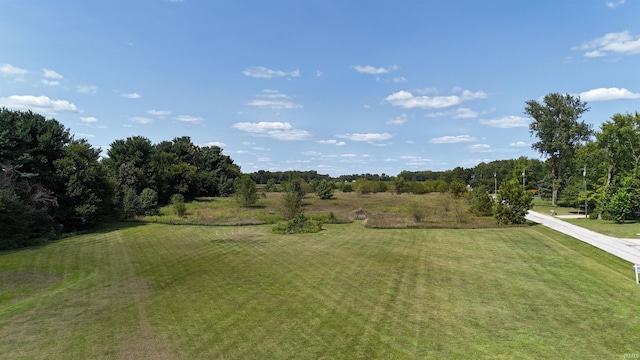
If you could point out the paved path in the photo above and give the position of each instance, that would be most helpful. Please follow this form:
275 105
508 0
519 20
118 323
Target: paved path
627 249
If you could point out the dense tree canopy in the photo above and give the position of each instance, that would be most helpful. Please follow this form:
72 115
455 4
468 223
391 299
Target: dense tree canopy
557 126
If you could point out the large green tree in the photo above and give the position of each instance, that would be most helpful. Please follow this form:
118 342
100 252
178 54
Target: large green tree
88 195
557 126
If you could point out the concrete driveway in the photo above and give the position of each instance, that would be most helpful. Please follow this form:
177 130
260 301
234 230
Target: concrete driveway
626 249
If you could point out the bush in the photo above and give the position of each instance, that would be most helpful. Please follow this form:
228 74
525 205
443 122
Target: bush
299 224
324 189
177 200
480 202
148 202
246 191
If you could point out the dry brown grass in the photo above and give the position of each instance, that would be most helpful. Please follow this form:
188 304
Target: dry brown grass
383 210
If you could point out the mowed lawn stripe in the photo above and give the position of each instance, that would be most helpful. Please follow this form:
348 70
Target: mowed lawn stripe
161 291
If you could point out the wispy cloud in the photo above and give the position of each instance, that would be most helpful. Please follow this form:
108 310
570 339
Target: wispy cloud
452 139
273 99
266 73
87 89
189 118
400 79
159 112
605 94
507 122
615 4
141 120
50 82
216 143
41 104
519 144
620 43
368 137
407 100
368 69
84 136
332 142
88 119
50 74
8 69
399 120
276 130
134 95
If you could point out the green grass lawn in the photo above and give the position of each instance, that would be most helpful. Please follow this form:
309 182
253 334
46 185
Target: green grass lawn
153 291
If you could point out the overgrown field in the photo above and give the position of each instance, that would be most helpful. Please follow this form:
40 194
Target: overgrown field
156 291
383 210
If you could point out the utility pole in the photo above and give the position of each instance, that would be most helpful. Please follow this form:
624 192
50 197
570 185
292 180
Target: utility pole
495 184
523 177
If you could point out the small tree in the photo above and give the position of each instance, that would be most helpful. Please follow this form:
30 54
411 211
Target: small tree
480 202
324 189
148 202
177 200
246 191
512 203
292 199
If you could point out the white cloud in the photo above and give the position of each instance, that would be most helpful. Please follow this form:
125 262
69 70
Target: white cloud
84 136
615 4
134 95
460 113
407 100
50 74
479 148
266 73
620 43
400 79
87 89
319 73
332 142
216 143
159 112
507 122
519 144
39 104
8 69
274 104
452 139
88 119
141 120
276 130
188 118
398 120
605 94
368 69
369 137
50 82
273 99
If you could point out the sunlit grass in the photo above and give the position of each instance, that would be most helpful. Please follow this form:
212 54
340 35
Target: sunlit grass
162 291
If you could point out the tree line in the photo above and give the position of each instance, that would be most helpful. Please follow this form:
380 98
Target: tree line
52 183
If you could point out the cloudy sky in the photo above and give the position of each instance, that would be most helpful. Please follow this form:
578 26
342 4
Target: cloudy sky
335 86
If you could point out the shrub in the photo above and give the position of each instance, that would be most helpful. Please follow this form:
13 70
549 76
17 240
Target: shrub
148 202
246 191
324 189
177 200
299 224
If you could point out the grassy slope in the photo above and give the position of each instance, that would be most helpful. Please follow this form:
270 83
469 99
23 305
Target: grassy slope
163 292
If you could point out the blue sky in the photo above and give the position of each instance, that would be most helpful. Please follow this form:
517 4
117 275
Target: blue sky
339 87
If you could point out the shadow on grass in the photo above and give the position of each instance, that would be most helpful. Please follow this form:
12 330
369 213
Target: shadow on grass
102 229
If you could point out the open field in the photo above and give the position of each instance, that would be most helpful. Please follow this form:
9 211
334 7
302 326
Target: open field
383 210
154 291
